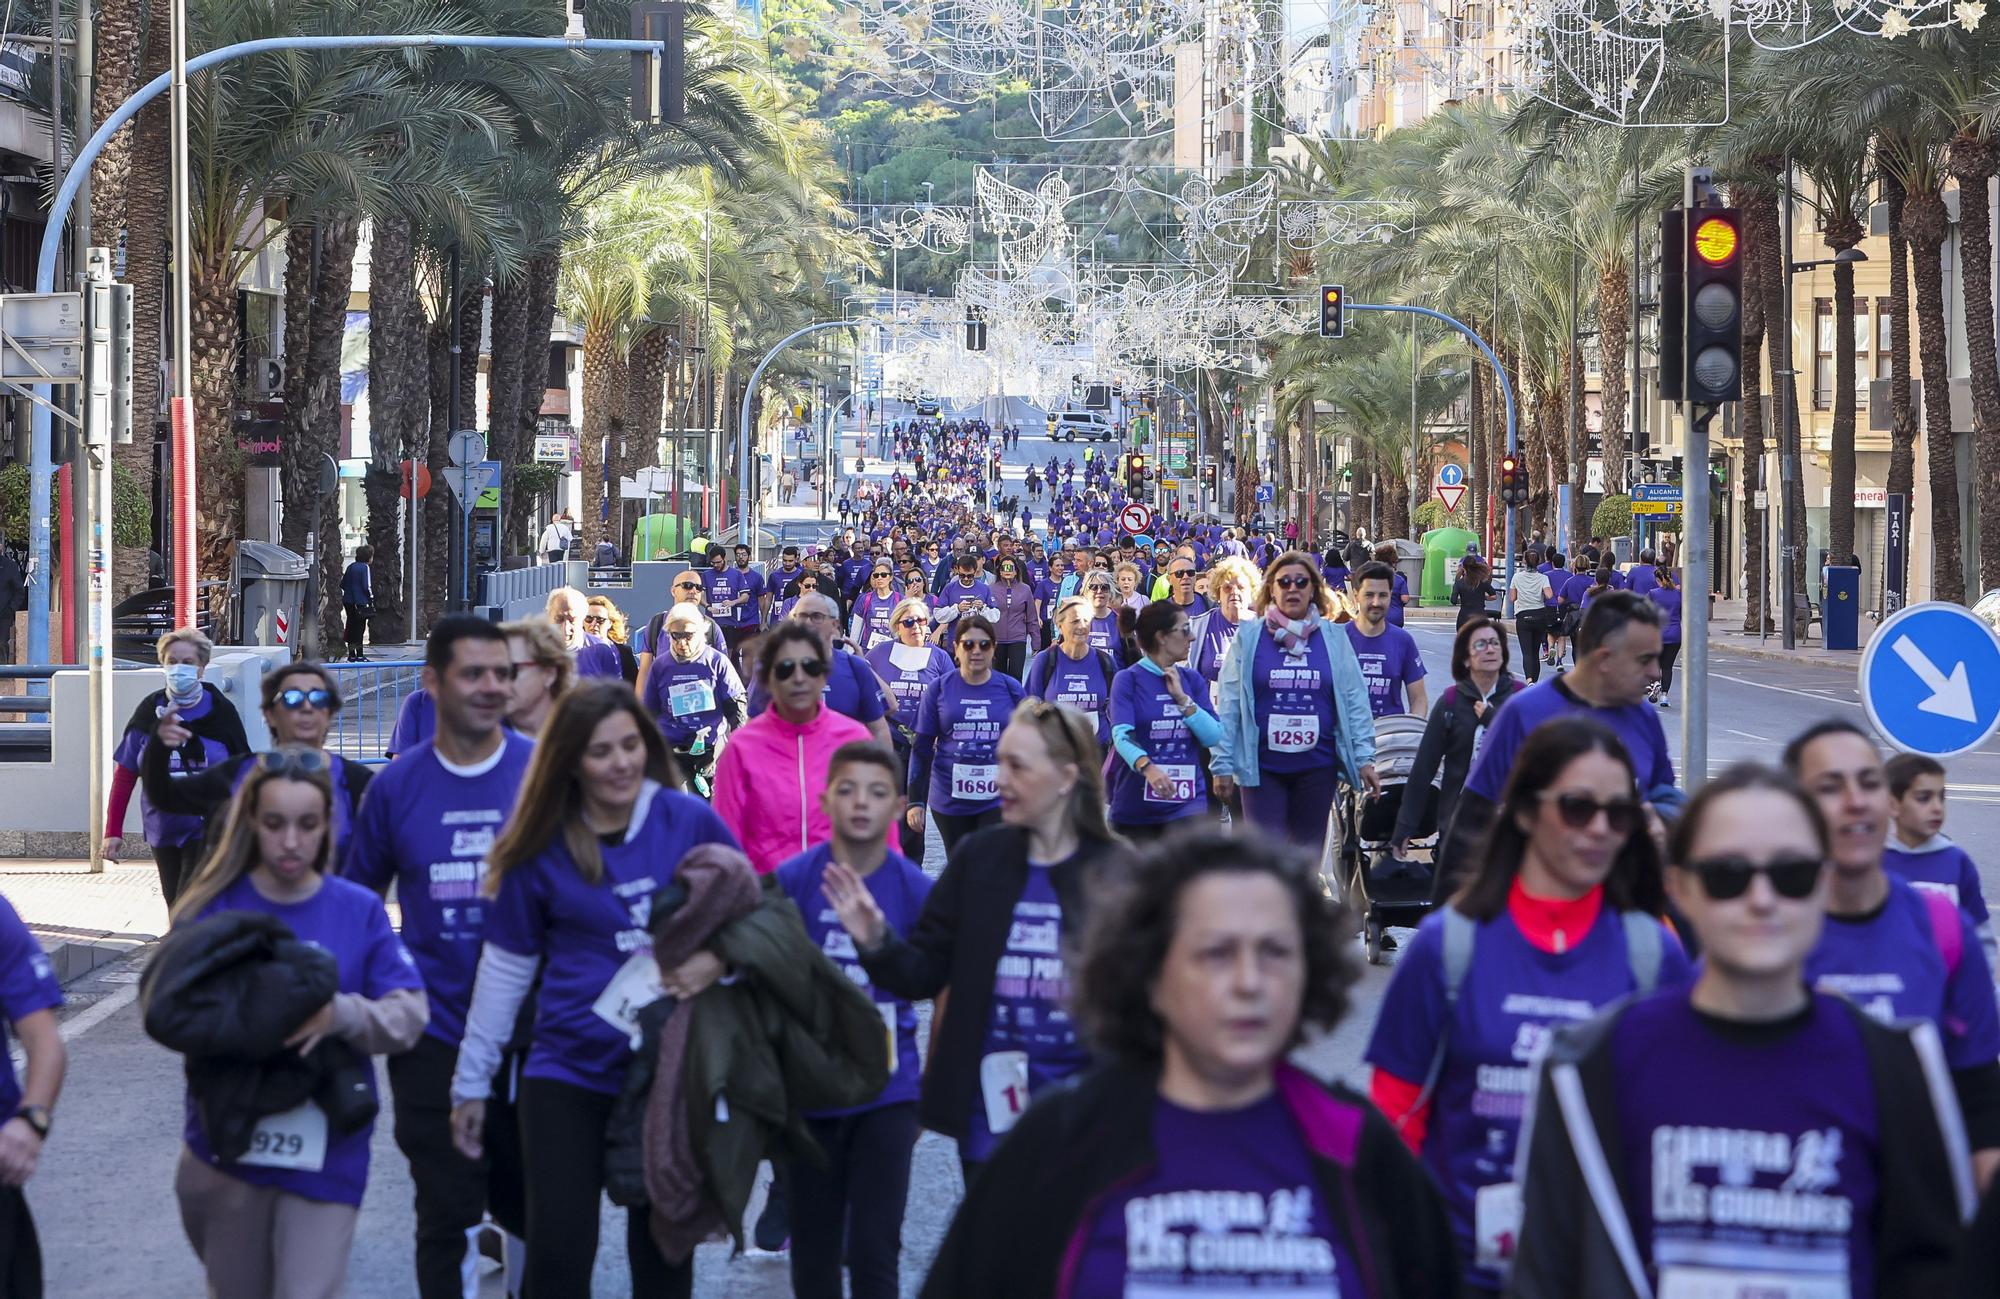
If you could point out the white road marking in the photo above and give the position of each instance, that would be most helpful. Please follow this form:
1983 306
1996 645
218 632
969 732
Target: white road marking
95 1014
1787 690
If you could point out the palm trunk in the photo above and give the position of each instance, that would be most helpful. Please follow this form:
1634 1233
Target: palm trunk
145 210
543 271
1579 527
398 413
1902 409
1764 222
600 358
315 325
115 41
1475 450
1926 224
645 397
504 374
1396 502
1614 321
1973 162
1842 232
437 592
1757 262
212 381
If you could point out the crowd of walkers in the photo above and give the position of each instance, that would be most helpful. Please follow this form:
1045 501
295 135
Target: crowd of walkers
665 917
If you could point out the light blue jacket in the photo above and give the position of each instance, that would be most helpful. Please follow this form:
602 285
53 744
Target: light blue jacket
1354 720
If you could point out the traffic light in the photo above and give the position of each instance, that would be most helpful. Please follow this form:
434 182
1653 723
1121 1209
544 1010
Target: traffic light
1331 300
659 83
1208 474
1135 465
1714 305
1513 481
1347 473
975 335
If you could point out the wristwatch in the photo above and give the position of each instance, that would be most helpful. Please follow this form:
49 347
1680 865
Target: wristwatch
37 1117
1142 764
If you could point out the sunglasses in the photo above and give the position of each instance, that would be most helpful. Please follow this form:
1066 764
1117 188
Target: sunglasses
682 635
909 622
294 699
687 586
594 620
1294 583
981 646
1723 878
1181 572
1579 810
298 762
787 668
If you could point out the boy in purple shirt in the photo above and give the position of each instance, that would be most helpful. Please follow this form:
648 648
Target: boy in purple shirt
1918 850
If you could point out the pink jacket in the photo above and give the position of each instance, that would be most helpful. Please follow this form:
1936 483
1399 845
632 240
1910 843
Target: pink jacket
769 779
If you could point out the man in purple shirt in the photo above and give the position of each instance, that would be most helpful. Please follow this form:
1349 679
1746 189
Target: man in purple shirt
1389 657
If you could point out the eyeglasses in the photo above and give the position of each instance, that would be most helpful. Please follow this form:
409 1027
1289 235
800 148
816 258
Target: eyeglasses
292 762
594 620
909 622
682 635
1483 643
1578 810
980 646
294 699
1723 878
785 669
1294 583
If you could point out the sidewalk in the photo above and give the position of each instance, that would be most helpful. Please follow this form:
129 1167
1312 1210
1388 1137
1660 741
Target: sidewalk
1726 634
82 920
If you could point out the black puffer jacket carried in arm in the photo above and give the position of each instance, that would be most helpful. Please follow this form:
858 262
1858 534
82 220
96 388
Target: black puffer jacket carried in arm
225 992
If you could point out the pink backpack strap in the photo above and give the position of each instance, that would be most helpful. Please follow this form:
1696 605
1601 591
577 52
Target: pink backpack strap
1946 928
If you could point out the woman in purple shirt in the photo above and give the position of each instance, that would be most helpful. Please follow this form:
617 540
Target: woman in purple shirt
1161 723
908 664
954 775
1020 625
1196 1160
1104 616
1666 592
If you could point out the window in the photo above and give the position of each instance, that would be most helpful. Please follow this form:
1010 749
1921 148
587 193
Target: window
1884 339
1860 354
1823 353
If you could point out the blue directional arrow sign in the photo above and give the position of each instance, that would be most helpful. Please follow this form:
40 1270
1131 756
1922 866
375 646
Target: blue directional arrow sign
1451 475
1930 680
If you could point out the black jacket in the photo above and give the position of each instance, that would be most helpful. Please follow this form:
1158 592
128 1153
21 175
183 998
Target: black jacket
1077 1141
1565 1248
207 793
1449 735
226 992
958 942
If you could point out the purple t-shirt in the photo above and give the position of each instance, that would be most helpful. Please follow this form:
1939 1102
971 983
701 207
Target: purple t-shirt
967 721
167 829
1637 726
1104 634
871 616
1083 684
585 932
1389 663
1217 634
598 657
1669 600
348 923
899 886
1889 963
428 827
1643 579
1941 867
721 588
1298 693
1231 1208
1748 1152
686 698
1399 587
1575 587
416 721
1513 994
1139 699
953 591
1030 1016
27 984
919 666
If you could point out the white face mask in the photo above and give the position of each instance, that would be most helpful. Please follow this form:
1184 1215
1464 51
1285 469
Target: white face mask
182 678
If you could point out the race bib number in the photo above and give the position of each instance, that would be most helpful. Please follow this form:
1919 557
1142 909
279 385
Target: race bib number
691 697
1496 1224
1730 1283
635 987
295 1139
975 784
1293 732
1181 774
1003 1083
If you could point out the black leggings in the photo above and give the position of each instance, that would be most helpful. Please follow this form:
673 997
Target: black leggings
952 827
562 1148
1011 659
1669 651
1532 626
852 1208
176 863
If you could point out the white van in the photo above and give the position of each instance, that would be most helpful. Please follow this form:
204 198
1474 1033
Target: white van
1087 425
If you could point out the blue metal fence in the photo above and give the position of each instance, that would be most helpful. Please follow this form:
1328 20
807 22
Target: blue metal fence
371 695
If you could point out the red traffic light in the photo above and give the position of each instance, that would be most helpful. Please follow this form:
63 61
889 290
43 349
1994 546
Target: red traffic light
1715 240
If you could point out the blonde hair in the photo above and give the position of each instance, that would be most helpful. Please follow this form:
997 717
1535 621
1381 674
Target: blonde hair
616 629
546 648
204 648
921 607
1124 566
1233 568
1069 736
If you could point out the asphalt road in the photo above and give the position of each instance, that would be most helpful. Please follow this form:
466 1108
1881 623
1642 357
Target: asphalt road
103 1195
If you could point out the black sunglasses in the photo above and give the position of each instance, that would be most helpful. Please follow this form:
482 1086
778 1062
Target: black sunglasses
294 699
910 622
1723 878
687 586
1294 583
784 670
297 762
1578 810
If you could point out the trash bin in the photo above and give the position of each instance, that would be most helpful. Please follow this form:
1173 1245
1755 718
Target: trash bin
1410 563
270 588
1444 551
1840 608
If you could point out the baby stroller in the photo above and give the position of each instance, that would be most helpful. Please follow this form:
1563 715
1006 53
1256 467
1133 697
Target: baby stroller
1384 889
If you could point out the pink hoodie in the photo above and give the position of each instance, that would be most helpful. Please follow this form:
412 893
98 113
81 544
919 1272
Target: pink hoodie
769 779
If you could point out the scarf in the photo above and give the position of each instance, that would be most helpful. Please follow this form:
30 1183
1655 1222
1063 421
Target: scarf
1291 637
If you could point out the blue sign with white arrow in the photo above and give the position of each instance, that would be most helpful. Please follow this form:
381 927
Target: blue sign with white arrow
1930 680
1451 475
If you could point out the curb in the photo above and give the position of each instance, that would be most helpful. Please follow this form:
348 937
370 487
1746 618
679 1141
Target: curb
1780 656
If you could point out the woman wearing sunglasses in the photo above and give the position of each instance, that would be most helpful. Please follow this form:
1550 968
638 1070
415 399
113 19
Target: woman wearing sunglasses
910 663
770 776
1161 723
1294 708
572 881
1745 1134
872 621
1073 672
1020 625
994 931
279 1218
954 774
1558 923
694 694
300 703
543 672
605 619
1104 616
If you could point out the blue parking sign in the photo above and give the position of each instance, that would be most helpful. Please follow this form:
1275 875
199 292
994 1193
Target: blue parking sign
1930 680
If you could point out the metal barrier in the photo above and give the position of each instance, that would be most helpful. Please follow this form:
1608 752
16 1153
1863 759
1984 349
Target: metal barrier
518 592
371 696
